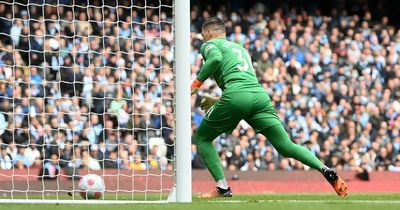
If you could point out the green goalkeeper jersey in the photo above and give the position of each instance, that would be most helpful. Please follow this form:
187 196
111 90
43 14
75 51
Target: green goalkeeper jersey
230 65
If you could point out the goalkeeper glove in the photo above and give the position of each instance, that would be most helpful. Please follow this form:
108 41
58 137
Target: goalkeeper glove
207 102
195 86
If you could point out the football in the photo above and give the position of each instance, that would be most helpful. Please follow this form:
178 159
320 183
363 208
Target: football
91 186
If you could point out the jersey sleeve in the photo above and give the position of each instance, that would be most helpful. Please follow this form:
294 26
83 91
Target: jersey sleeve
212 57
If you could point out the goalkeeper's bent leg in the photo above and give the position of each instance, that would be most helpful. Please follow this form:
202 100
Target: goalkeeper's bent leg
279 138
204 137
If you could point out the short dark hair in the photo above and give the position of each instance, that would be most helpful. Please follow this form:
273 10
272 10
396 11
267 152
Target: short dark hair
215 23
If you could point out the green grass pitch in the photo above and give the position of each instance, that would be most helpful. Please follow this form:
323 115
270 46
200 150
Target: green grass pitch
355 201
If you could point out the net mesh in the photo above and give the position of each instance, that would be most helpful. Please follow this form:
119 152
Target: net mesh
86 87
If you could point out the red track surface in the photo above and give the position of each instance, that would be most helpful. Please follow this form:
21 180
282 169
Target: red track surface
300 181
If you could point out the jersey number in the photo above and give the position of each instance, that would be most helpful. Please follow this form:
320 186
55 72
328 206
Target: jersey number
246 61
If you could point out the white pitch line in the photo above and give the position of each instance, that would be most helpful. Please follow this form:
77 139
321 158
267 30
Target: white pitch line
37 201
310 201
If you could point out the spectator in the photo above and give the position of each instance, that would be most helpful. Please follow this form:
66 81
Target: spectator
197 162
263 63
237 36
152 159
90 162
22 159
237 159
138 164
51 168
5 159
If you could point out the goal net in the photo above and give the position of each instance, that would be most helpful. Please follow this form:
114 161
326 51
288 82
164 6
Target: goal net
87 87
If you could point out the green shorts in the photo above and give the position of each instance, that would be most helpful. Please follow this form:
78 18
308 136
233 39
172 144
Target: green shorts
255 108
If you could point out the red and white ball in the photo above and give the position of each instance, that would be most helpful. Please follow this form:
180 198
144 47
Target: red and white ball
91 186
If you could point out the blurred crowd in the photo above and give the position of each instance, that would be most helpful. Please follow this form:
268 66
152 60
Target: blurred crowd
334 80
86 86
91 86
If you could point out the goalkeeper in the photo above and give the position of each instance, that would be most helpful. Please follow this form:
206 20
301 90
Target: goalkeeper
242 98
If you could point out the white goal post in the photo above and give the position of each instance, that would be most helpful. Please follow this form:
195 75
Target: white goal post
97 87
183 116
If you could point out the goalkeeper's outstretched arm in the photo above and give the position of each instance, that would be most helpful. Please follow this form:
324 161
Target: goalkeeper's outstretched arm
213 57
